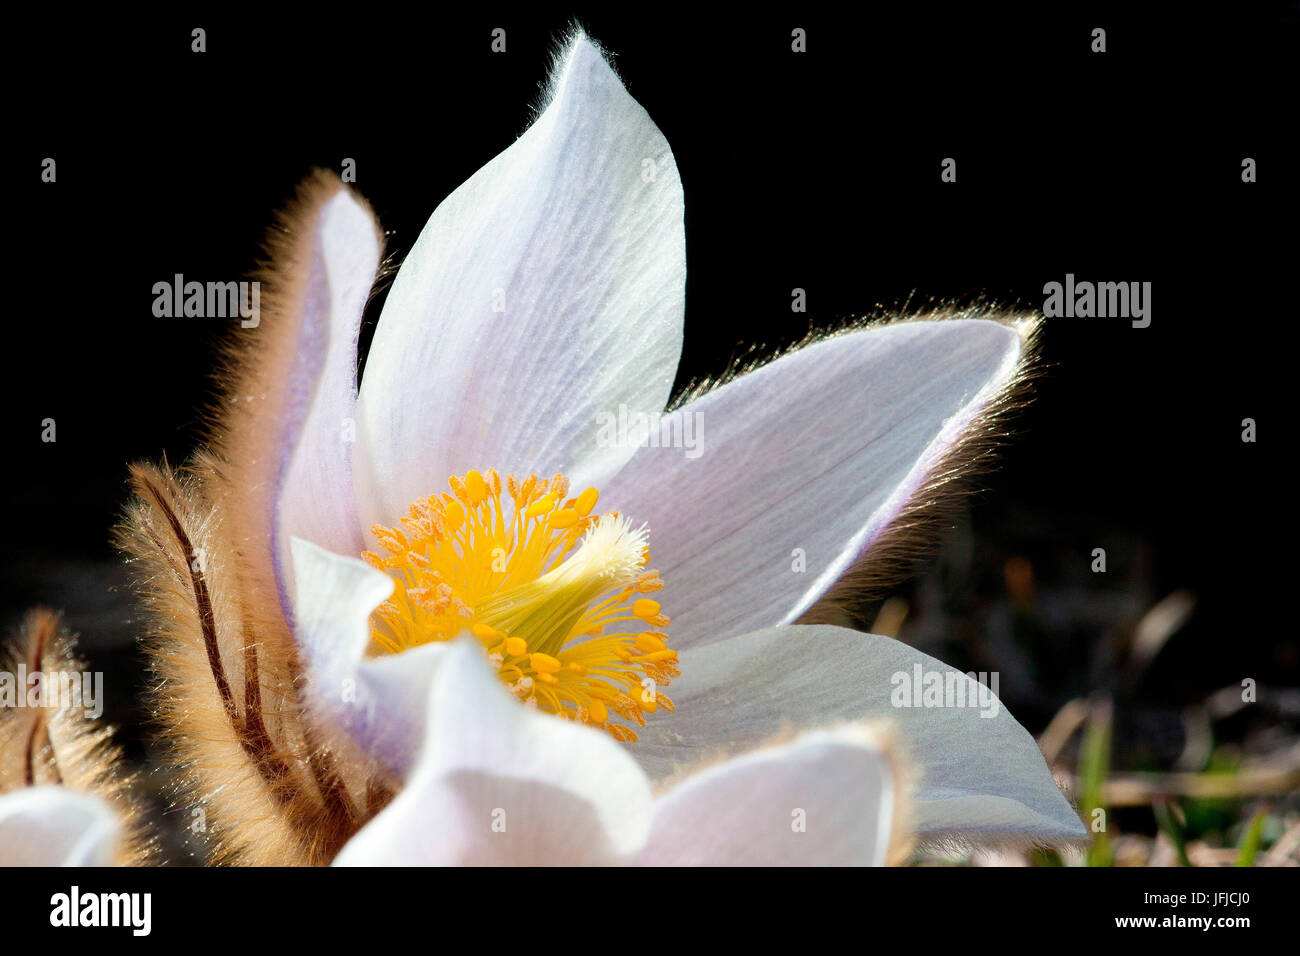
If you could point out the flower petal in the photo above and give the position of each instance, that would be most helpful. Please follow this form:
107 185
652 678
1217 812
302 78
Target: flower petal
824 800
316 502
56 826
498 782
548 287
807 459
291 391
982 774
378 702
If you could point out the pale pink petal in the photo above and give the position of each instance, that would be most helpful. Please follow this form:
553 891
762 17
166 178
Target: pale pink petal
982 776
500 783
315 500
546 289
824 800
801 465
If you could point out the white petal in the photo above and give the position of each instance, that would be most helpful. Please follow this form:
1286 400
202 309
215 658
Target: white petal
980 775
585 258
806 459
824 800
500 783
56 826
379 702
316 498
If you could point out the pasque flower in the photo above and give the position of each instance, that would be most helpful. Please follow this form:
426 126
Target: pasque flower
439 618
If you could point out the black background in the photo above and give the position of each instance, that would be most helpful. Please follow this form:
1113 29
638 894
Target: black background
816 170
319 909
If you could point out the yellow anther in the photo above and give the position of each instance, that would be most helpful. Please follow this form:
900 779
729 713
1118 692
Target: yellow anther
516 646
650 642
544 663
476 487
648 704
586 501
664 655
566 518
598 712
455 515
485 632
645 608
390 538
541 506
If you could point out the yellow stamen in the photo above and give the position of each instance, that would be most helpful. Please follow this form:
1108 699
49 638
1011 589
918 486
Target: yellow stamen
547 587
565 519
544 663
650 642
586 501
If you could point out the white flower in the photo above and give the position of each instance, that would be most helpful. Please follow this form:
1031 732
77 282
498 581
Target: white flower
546 291
55 826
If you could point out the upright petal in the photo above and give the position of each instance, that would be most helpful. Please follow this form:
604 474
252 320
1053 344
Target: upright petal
982 775
500 783
56 826
826 799
799 466
284 424
547 289
317 502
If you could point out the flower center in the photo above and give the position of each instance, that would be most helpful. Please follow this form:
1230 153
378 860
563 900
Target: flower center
550 589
